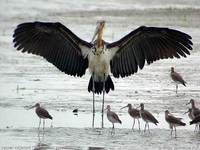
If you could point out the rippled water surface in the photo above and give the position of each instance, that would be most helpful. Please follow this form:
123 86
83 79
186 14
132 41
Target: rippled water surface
27 79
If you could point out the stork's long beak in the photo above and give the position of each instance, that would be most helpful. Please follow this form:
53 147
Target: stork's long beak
95 32
124 107
99 28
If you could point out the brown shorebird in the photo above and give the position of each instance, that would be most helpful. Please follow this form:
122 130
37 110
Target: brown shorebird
42 114
134 113
147 117
112 116
177 78
195 110
192 118
173 121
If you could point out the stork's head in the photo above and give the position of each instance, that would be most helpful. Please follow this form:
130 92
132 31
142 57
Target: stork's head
99 29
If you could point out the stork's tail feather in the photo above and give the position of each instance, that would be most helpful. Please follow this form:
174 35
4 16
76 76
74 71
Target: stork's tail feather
99 85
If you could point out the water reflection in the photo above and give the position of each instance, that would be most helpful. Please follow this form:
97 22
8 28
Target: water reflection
41 141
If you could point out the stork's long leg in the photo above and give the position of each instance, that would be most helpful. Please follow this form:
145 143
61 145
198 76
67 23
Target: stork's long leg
176 88
102 111
93 91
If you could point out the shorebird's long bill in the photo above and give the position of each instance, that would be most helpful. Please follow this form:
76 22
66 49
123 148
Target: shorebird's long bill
188 103
138 107
31 107
124 107
186 112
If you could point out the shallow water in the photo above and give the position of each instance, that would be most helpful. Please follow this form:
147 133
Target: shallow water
27 79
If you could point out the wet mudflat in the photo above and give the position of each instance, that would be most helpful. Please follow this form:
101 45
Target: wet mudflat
27 79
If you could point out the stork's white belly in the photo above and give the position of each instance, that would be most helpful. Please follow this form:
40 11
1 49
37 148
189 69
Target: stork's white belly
99 65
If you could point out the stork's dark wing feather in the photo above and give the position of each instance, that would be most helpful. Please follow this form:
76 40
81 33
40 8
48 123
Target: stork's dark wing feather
147 43
54 42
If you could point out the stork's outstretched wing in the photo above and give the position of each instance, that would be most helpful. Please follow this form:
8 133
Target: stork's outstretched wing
54 42
147 43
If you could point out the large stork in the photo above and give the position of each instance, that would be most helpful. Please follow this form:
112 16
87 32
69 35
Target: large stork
73 55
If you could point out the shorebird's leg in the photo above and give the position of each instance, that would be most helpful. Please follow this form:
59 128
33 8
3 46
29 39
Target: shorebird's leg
43 124
176 88
102 111
133 123
113 129
175 131
148 127
93 91
39 124
139 124
196 128
171 131
145 126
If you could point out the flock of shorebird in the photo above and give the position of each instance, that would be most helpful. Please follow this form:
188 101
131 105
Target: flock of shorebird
135 113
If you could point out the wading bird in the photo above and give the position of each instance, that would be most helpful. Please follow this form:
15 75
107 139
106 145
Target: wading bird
147 117
112 116
173 121
73 55
42 114
177 78
190 115
195 110
134 113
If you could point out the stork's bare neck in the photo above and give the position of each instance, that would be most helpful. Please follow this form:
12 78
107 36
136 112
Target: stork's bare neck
99 59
